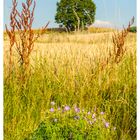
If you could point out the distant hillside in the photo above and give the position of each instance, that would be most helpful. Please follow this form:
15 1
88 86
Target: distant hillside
99 29
61 29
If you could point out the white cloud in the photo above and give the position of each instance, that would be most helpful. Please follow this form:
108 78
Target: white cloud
100 23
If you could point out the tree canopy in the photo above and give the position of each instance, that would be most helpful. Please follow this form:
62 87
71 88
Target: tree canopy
75 14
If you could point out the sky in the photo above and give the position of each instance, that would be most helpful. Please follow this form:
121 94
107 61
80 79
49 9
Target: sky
109 13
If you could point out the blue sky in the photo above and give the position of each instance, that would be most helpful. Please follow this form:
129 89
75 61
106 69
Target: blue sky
108 13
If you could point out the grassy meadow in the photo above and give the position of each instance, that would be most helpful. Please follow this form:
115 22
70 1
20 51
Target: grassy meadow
69 92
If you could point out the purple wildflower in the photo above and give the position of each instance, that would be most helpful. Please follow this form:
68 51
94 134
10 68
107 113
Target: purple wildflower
106 124
52 110
102 113
59 108
67 108
88 113
77 109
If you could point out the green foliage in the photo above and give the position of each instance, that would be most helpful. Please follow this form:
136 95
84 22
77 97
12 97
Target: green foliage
74 14
73 126
133 29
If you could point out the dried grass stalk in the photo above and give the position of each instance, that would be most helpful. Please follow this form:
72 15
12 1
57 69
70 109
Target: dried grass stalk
22 22
11 33
118 44
119 40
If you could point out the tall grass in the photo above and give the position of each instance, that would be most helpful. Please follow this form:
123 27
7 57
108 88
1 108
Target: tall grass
21 34
69 73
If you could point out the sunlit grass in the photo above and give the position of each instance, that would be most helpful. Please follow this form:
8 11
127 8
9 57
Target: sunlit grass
66 69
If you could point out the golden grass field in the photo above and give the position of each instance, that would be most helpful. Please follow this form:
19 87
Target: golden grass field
83 47
64 65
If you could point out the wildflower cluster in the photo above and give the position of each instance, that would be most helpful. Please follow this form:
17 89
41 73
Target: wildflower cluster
72 122
75 113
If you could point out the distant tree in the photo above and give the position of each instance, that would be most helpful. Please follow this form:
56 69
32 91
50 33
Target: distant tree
75 14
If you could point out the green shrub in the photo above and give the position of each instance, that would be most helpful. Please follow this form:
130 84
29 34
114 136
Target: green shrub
74 124
133 29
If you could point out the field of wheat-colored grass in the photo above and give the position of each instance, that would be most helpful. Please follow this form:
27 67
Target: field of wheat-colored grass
67 69
83 46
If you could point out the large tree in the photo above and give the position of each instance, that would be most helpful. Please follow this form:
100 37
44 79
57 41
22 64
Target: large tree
75 14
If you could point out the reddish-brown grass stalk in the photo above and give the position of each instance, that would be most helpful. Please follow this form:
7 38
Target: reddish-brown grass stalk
119 40
22 22
11 32
118 44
